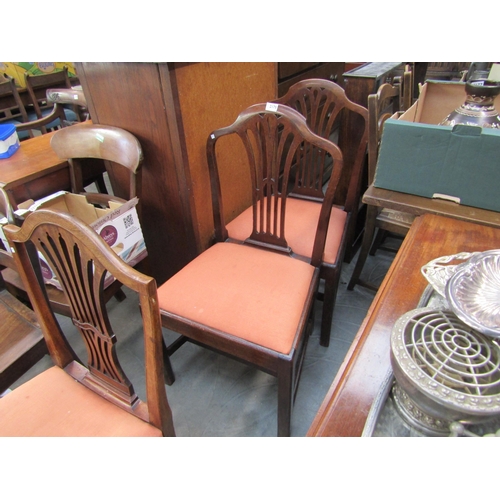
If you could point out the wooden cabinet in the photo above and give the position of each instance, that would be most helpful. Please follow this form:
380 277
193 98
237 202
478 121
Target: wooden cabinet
171 108
293 72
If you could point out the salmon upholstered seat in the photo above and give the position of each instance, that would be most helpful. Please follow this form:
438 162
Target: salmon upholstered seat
54 404
300 226
235 274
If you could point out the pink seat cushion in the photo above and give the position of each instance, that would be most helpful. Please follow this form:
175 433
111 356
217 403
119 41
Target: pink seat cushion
300 228
247 292
54 404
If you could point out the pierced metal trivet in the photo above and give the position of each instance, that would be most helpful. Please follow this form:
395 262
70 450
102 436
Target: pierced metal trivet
449 371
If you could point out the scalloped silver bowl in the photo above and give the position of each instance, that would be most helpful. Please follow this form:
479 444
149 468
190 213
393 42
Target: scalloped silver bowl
473 292
438 271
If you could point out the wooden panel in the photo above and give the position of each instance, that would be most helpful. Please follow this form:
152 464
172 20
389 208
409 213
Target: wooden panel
288 69
211 95
329 71
130 96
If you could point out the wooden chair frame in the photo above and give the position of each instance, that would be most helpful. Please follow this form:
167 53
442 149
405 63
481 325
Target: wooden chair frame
323 103
82 260
381 106
103 142
17 112
51 80
272 139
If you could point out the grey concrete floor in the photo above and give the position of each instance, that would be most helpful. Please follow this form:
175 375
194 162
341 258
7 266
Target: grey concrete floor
217 396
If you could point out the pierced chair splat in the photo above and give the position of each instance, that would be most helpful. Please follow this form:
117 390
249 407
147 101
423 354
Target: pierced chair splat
253 299
322 103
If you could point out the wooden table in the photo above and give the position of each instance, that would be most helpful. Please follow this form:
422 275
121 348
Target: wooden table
376 198
347 403
35 171
418 205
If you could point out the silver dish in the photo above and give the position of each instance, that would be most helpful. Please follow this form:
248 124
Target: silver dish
438 271
473 292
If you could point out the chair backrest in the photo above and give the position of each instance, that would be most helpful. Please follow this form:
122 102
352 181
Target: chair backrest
15 109
102 142
73 97
323 103
82 260
275 138
37 86
381 106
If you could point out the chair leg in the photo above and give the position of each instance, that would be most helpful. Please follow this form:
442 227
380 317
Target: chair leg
378 240
329 297
371 216
101 185
285 390
169 374
120 295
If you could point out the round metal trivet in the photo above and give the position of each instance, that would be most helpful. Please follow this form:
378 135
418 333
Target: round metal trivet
448 370
416 417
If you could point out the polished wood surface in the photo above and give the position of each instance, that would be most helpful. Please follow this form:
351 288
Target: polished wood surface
418 205
34 170
347 403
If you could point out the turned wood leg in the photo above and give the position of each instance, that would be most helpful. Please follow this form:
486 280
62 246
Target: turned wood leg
167 366
371 216
285 390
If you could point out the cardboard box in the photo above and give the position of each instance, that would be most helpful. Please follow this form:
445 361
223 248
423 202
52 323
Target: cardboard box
118 225
418 156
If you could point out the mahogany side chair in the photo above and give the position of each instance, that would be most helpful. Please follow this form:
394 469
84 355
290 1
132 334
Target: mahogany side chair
322 102
14 112
253 299
74 398
381 106
37 86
